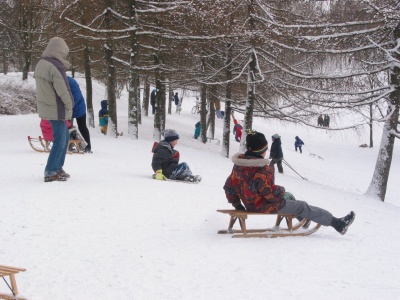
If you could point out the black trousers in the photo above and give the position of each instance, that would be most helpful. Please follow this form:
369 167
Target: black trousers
81 121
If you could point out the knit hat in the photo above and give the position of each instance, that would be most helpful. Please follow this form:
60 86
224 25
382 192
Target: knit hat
170 135
256 142
276 136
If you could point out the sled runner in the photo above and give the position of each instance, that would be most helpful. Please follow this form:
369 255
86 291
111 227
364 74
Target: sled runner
39 144
10 272
276 231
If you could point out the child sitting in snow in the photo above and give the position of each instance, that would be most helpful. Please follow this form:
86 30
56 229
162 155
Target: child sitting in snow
165 162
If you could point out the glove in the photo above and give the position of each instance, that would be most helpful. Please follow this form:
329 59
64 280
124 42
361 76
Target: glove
160 176
239 207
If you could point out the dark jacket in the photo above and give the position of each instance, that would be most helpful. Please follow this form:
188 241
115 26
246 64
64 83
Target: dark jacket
79 102
298 142
252 182
153 98
276 149
165 158
103 113
176 99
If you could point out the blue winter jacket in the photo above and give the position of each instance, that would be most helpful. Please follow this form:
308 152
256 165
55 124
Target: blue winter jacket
298 142
79 102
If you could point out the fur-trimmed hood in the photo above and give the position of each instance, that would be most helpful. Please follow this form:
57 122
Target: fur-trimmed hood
249 161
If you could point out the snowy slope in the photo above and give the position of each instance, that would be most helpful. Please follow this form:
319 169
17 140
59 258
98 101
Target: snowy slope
112 232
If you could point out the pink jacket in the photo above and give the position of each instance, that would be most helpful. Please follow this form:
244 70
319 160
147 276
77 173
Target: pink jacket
47 131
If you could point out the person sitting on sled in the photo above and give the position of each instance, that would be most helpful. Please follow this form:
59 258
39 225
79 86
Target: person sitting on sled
47 133
252 182
165 162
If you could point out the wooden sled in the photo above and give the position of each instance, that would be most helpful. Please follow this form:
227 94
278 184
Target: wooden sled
10 272
276 231
41 145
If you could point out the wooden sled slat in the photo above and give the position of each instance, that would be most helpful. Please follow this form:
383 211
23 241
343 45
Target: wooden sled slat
276 231
10 272
39 144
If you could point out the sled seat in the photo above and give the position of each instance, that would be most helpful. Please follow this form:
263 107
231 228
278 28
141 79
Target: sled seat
76 144
276 231
10 272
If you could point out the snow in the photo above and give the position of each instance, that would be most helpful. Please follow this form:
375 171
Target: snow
112 232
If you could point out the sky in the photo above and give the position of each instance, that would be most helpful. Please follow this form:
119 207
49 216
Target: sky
113 232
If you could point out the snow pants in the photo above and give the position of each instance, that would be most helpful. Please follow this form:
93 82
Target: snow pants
303 210
181 171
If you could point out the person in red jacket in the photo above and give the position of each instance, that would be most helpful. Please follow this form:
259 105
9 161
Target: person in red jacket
237 130
252 182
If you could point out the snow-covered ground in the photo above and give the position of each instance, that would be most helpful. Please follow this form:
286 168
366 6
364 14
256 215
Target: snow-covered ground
112 232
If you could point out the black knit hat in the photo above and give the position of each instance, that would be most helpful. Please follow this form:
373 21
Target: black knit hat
256 142
170 135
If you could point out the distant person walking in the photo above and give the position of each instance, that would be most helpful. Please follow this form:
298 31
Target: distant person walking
79 112
298 143
103 117
55 103
176 100
197 130
153 100
276 154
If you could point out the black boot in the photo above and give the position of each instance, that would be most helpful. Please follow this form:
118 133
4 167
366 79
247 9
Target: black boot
342 224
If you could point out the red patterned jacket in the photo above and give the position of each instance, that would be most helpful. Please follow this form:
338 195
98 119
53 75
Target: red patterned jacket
252 181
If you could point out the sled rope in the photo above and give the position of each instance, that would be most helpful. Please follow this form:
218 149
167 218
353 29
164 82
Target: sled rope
286 163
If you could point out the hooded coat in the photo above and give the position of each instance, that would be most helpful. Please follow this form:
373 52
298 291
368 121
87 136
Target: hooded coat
54 98
252 181
103 113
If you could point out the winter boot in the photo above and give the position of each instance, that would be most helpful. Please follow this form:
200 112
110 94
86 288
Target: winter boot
342 224
56 177
192 178
197 178
88 149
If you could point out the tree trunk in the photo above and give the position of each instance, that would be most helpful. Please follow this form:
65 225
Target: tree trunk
5 65
203 113
26 66
146 96
211 115
380 178
170 98
133 113
111 75
89 86
371 139
228 104
159 117
248 115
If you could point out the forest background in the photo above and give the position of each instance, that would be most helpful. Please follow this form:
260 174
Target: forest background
286 60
